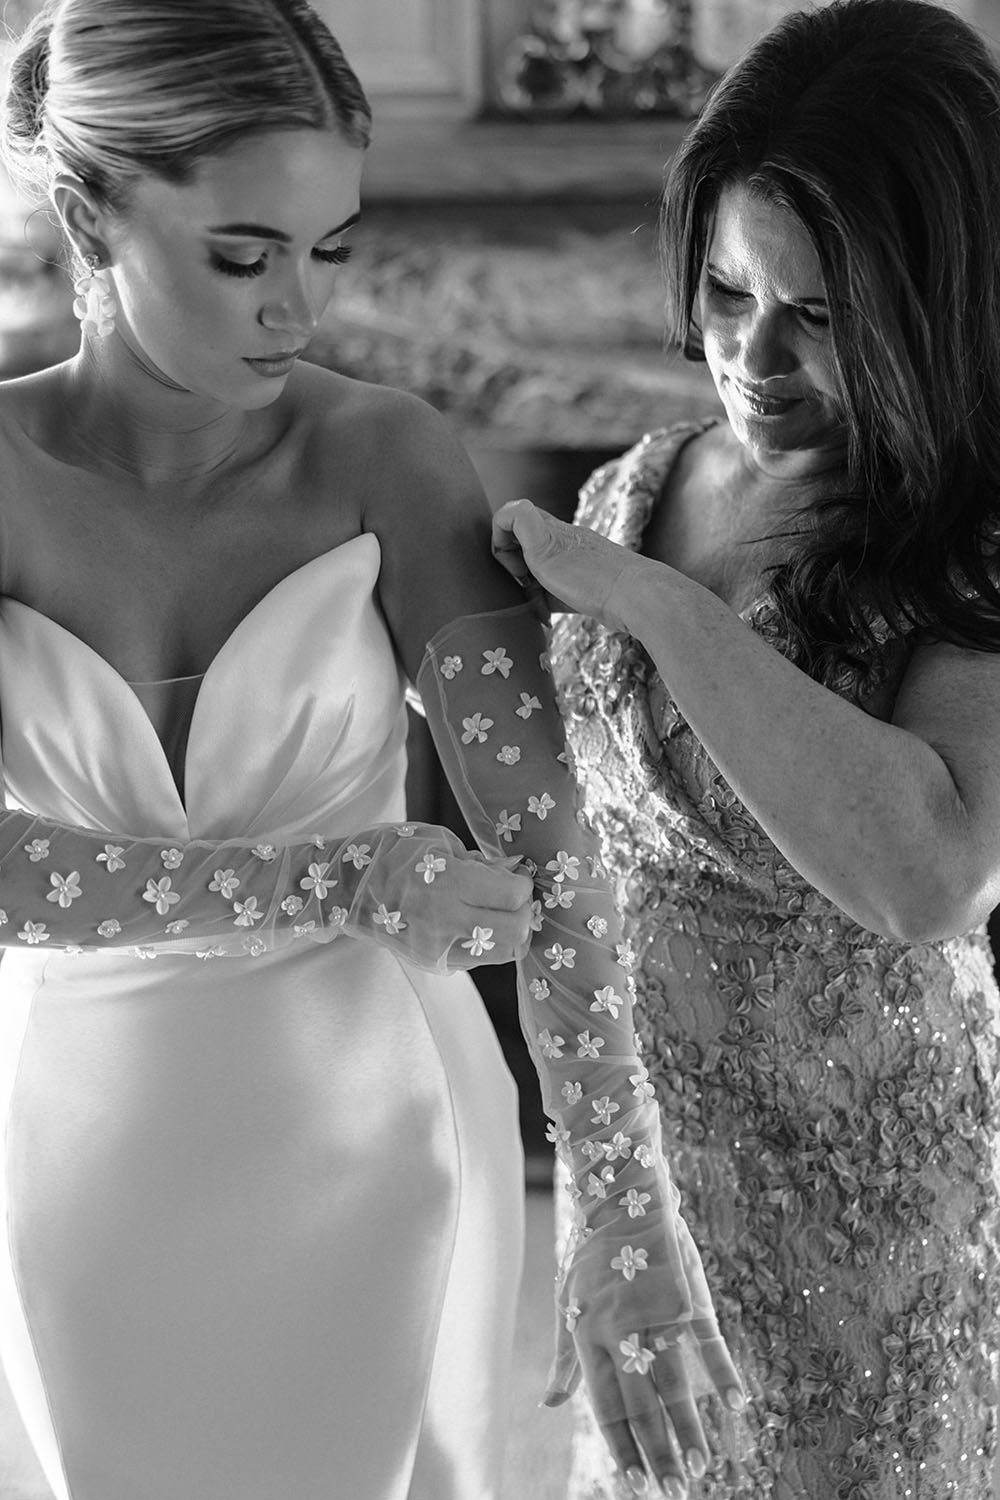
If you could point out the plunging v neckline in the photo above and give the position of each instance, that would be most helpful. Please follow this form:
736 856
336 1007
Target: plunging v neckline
229 647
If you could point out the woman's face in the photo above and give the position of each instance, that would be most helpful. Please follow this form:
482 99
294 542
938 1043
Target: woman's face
766 330
221 281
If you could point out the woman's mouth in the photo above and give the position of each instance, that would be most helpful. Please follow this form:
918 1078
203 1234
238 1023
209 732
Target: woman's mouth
276 364
762 403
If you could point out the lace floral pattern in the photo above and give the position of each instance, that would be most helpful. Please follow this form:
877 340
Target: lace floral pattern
829 1099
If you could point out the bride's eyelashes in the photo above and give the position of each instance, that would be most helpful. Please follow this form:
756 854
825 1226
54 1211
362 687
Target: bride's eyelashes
337 256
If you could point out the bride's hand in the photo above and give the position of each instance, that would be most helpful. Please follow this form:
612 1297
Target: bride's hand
577 569
643 1381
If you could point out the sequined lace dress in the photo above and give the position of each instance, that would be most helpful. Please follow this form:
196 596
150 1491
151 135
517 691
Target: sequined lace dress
829 1098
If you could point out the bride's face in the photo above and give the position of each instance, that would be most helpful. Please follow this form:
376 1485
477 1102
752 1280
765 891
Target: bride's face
221 281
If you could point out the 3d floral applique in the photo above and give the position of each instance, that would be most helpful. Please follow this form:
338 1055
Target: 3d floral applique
541 806
634 1203
507 825
480 942
564 866
226 882
572 1313
529 705
536 921
318 880
431 866
645 1156
596 868
180 925
265 852
37 849
66 888
496 661
359 855
619 1146
637 1359
337 916
4 919
34 933
112 857
451 666
561 897
555 1134
626 955
552 1046
606 999
539 989
390 920
247 912
630 1262
292 905
560 957
572 1092
206 953
598 926
589 1046
109 928
161 895
604 1109
404 830
172 859
509 755
475 729
599 1182
642 1088
304 929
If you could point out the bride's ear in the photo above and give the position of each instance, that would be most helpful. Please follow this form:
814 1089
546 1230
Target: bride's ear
83 220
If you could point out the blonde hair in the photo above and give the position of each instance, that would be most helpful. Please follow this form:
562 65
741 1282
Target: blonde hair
112 90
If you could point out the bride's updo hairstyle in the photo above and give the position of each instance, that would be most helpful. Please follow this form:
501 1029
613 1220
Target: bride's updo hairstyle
113 90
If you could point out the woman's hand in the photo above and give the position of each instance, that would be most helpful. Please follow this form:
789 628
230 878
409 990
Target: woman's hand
577 569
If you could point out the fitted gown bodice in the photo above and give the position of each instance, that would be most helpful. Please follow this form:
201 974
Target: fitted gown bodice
249 1201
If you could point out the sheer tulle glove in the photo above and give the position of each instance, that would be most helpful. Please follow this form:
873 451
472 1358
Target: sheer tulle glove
631 1292
410 887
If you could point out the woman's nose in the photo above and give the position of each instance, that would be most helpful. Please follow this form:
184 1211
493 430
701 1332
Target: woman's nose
293 311
766 351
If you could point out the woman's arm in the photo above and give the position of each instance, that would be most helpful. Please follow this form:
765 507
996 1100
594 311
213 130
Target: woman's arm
896 823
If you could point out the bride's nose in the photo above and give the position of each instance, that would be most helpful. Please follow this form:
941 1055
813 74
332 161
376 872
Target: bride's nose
293 310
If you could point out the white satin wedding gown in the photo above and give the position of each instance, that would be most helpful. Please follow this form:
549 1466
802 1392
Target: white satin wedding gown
263 1215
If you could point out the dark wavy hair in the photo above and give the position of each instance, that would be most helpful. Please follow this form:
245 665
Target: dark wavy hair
115 89
877 123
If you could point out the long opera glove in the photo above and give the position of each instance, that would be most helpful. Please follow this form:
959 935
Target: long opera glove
398 885
631 1275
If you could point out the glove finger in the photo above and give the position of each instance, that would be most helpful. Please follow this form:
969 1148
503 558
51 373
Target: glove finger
721 1370
564 1374
670 1376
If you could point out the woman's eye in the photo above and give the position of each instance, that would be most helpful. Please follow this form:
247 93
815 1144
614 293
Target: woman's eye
721 290
239 267
337 256
814 319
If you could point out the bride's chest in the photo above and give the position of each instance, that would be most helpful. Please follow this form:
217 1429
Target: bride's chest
155 592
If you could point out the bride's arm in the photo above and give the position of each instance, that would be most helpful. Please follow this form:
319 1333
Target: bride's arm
632 1288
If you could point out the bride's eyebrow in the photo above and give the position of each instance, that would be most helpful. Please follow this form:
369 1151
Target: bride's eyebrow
262 232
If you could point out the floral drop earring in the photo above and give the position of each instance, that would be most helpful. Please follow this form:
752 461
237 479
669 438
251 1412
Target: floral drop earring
94 304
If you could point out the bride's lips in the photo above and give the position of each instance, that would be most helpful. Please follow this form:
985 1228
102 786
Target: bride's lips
275 365
763 403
